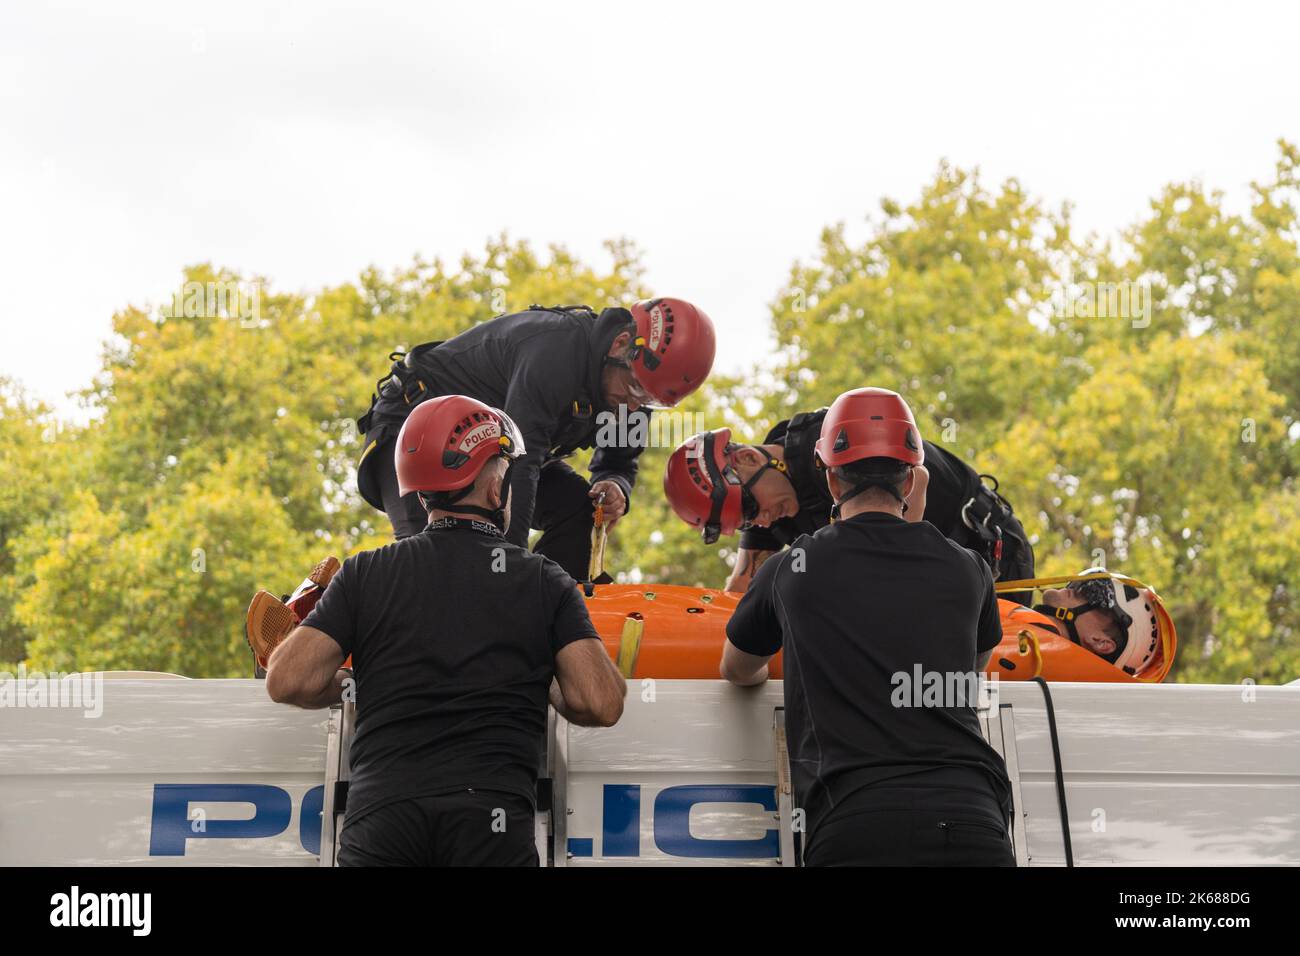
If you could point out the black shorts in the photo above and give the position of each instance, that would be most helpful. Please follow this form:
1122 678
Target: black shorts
465 828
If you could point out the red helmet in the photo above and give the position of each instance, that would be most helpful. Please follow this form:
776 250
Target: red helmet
705 491
868 423
445 442
673 349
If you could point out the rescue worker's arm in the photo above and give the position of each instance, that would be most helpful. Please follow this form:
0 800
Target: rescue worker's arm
756 546
588 690
754 632
538 396
741 668
989 634
305 670
618 464
748 561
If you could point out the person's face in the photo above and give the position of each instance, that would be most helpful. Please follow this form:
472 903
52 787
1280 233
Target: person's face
619 386
773 492
1098 632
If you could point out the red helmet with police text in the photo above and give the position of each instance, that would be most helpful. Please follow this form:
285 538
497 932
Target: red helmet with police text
445 442
868 423
673 349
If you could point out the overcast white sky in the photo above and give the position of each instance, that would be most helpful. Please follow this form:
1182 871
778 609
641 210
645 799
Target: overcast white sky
305 141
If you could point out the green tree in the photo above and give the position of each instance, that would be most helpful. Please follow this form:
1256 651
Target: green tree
939 303
1163 437
222 449
1140 469
1245 590
1142 438
38 459
167 594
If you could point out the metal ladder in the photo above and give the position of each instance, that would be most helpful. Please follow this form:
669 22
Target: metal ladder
552 822
785 809
999 730
338 771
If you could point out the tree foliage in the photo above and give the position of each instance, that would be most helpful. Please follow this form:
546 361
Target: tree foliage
1160 438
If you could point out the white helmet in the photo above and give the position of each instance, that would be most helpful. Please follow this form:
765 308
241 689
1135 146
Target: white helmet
1134 609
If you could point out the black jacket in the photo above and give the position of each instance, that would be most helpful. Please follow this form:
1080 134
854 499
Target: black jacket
542 368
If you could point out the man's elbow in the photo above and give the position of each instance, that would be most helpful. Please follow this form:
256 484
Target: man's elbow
279 689
610 710
609 714
741 675
728 671
606 709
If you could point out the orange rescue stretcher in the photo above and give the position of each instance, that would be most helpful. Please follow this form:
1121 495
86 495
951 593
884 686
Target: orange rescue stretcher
672 632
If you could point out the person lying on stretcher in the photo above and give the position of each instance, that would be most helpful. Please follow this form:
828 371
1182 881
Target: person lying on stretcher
1103 612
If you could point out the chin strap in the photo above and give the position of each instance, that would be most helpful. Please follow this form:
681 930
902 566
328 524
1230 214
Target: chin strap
863 485
776 464
1068 616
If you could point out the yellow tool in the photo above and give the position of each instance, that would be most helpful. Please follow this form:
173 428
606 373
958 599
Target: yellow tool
599 534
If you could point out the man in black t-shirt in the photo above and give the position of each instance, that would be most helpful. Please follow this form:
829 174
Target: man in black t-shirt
457 638
884 625
773 492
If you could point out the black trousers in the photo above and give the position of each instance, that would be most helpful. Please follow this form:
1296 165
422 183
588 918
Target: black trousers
405 513
465 828
886 825
562 512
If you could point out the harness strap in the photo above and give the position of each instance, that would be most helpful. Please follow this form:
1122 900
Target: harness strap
406 379
800 436
986 513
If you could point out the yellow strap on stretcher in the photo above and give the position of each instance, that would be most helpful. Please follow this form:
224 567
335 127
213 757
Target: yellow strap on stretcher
629 644
1029 584
1028 642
